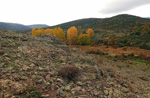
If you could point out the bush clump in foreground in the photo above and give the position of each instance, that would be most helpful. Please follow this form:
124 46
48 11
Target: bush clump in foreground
69 72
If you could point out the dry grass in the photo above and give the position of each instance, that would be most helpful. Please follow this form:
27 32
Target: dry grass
115 51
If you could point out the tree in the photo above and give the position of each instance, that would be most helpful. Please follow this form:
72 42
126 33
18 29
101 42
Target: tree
33 32
47 31
72 34
42 31
90 32
55 31
51 31
79 30
40 28
83 39
60 33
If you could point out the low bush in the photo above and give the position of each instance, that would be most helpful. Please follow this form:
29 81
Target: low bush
69 72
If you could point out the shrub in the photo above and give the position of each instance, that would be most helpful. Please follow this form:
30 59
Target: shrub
34 93
58 60
69 72
83 39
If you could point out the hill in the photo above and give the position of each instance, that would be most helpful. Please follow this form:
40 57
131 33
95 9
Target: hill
81 22
15 26
141 41
44 67
123 23
38 25
12 26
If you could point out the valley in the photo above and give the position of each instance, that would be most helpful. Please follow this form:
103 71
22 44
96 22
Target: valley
86 58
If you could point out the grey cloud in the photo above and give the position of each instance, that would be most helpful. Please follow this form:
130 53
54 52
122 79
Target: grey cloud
117 6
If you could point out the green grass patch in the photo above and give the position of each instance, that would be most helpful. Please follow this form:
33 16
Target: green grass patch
105 56
59 60
140 61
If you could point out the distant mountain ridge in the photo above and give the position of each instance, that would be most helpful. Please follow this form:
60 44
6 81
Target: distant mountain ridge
118 23
38 25
16 26
12 26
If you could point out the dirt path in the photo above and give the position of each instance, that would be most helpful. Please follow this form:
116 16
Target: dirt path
113 51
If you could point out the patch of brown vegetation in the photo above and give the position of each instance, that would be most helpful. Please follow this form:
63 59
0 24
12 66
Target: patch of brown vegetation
69 72
115 51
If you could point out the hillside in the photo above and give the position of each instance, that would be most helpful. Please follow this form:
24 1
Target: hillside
15 26
117 24
141 41
81 22
44 67
123 23
38 25
12 26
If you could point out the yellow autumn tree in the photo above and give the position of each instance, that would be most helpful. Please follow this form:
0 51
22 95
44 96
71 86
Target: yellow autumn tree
40 28
55 31
42 31
72 34
33 32
47 31
58 32
51 31
61 34
90 32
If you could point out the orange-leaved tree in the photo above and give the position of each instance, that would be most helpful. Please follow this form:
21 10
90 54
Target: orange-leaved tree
33 32
72 34
52 32
42 31
61 34
90 32
58 32
47 31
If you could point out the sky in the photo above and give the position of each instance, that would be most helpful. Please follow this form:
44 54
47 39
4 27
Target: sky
53 12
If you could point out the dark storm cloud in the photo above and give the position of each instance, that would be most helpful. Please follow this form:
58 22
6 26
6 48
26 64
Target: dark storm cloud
117 6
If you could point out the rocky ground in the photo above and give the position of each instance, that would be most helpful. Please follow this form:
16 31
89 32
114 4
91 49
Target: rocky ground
29 68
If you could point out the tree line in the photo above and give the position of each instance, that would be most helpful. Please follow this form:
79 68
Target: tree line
73 36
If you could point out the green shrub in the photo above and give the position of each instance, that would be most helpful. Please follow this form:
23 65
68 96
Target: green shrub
34 93
83 39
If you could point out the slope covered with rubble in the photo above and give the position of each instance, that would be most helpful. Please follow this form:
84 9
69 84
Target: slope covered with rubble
30 67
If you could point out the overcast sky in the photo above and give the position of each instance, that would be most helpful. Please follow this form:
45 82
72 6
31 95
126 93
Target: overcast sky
53 12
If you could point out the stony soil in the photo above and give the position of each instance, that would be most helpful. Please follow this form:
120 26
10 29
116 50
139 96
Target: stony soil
29 69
